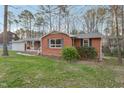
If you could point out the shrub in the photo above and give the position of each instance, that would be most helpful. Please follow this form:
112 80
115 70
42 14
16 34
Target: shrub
70 53
87 52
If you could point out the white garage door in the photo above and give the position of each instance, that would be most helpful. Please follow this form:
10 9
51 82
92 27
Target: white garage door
18 46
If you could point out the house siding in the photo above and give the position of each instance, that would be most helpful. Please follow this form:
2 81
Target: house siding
67 42
77 42
96 44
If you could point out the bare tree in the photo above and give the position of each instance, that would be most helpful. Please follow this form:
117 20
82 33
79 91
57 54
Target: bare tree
10 19
39 23
115 9
26 18
122 20
48 11
94 19
63 12
5 50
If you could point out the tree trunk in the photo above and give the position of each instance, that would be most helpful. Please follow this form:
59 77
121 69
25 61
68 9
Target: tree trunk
43 27
68 26
117 37
122 22
50 18
59 19
10 26
50 23
30 31
123 26
5 50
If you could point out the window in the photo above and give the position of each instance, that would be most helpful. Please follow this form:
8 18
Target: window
86 42
55 43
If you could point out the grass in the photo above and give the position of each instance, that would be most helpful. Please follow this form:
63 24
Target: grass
35 71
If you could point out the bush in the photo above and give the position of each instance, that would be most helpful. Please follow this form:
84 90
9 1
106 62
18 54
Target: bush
87 52
70 54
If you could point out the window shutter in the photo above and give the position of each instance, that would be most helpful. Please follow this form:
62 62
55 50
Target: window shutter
90 42
81 42
62 42
48 42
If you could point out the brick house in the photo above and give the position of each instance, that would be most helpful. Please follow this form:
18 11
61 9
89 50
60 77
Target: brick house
53 42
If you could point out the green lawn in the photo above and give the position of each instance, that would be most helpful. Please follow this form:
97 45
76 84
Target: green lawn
36 71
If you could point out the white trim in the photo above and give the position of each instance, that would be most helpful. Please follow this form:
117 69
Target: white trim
49 42
88 41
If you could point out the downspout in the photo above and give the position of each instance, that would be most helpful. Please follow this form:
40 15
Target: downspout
73 41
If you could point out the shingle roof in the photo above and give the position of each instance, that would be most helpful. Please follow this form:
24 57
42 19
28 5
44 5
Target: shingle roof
28 39
85 35
88 35
55 32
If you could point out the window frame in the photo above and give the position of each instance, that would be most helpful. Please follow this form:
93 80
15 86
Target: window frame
87 41
55 45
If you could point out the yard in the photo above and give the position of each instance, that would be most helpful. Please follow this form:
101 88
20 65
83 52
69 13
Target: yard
36 71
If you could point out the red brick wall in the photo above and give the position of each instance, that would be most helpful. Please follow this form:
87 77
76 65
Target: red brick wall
54 51
96 44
